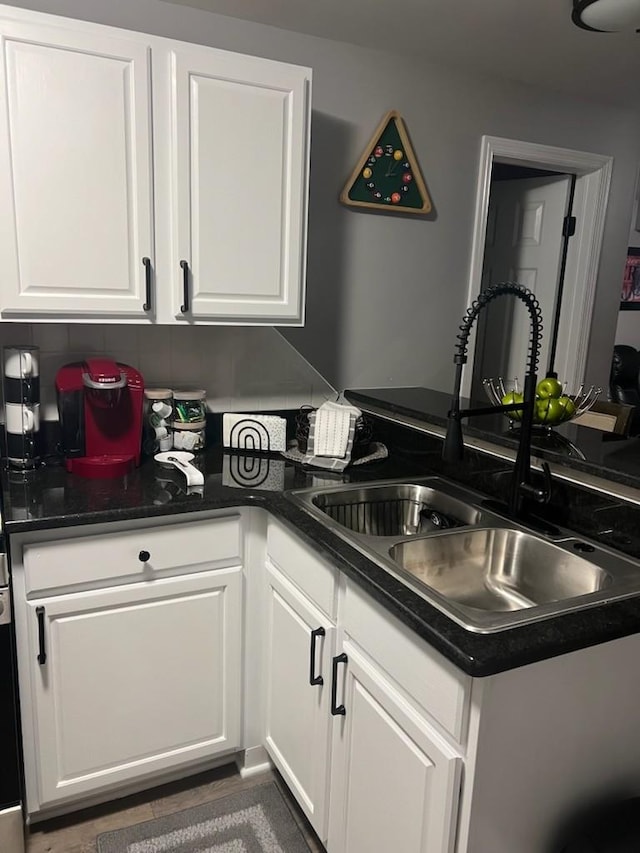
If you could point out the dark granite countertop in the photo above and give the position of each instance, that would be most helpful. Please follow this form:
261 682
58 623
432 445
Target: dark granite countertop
577 448
49 498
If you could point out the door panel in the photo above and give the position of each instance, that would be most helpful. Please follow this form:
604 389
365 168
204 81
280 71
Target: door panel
297 718
395 780
240 173
75 150
114 699
525 247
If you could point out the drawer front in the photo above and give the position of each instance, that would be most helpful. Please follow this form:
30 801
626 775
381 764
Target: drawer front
133 555
429 678
315 577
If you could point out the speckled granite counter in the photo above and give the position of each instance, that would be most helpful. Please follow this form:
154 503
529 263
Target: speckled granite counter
579 449
50 498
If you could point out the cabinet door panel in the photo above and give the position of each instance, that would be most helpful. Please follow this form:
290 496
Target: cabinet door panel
395 780
240 169
75 151
297 713
136 679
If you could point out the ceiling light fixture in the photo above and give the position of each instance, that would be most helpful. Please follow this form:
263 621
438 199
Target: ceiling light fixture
607 16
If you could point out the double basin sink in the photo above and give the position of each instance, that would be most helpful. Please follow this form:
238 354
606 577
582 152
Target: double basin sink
484 570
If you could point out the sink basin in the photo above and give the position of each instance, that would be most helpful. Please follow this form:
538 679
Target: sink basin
498 569
396 509
485 571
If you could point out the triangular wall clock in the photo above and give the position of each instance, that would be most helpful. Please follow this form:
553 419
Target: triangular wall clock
387 176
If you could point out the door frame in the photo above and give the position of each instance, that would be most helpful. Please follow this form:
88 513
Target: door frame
593 173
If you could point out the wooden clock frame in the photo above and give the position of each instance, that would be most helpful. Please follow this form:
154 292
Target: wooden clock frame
409 156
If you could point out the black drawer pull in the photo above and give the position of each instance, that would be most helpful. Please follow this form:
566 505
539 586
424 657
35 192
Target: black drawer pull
337 710
147 283
144 556
42 652
184 308
313 678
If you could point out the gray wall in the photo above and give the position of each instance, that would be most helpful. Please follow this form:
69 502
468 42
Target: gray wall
386 292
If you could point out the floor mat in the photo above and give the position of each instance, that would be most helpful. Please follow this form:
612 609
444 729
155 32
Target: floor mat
253 821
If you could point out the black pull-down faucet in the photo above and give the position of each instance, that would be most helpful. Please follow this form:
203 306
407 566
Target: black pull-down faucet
454 446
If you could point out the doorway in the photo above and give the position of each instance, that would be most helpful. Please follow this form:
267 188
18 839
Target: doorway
593 176
524 243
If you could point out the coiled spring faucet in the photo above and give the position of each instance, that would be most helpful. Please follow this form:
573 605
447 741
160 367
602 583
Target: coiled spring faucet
453 445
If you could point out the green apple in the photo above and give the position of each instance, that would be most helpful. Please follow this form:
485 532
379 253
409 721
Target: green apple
548 387
550 411
511 398
568 406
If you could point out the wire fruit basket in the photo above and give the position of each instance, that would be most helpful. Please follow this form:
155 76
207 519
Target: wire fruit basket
550 411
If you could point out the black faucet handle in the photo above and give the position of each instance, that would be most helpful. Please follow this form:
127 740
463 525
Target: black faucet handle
539 495
453 447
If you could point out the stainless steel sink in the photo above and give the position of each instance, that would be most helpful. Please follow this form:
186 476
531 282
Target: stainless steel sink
492 570
396 509
483 570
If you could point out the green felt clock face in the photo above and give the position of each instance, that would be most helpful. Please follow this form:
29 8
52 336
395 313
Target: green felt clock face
387 177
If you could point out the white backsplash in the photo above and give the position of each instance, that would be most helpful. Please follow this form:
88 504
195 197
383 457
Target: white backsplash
241 368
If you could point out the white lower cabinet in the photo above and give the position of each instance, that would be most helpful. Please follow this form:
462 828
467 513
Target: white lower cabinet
364 760
134 643
124 690
299 648
133 679
394 779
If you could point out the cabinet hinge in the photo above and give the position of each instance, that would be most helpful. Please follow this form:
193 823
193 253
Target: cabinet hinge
569 226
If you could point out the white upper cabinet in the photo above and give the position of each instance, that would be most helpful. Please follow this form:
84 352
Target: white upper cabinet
149 180
239 178
75 172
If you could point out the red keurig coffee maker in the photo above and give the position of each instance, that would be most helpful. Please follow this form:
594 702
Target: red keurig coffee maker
100 410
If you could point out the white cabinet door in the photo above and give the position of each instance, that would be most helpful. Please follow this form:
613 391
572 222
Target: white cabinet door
136 679
239 186
394 780
298 651
76 204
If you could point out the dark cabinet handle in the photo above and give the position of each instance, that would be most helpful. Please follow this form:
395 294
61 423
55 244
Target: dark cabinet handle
144 556
185 287
42 652
147 282
337 710
313 678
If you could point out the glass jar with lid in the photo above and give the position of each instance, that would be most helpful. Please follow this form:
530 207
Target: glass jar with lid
158 413
189 407
189 436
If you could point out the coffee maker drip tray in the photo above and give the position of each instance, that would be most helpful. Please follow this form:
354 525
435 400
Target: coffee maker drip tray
101 467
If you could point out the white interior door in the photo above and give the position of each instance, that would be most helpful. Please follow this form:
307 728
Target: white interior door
76 203
523 244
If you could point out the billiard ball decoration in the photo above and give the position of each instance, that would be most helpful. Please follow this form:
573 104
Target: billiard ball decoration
388 176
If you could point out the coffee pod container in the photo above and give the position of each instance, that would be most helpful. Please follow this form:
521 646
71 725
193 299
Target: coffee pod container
189 420
21 392
158 411
189 436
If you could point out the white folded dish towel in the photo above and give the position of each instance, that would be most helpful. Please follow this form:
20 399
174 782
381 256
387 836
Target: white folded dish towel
333 422
331 432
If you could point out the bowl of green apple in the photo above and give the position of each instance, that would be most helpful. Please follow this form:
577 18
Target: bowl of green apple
553 404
